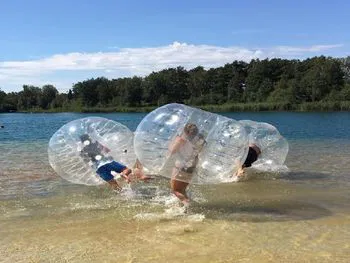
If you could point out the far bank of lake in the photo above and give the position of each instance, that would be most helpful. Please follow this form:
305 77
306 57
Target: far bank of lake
321 106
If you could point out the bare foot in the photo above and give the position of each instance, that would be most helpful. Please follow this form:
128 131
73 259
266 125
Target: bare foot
115 186
186 205
240 172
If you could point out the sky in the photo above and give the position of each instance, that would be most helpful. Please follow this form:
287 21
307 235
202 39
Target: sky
64 42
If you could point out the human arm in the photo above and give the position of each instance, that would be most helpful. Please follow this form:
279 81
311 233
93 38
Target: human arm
175 145
137 172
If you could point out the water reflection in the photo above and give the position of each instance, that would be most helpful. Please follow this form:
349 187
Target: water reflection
286 210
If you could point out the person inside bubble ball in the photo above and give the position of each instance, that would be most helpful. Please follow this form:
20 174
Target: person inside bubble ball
186 148
97 156
253 154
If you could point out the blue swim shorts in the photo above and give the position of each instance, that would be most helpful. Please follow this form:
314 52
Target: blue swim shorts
105 170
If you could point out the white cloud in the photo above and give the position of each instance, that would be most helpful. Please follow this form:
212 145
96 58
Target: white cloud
137 61
295 51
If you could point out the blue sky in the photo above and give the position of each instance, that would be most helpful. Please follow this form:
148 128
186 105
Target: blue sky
63 42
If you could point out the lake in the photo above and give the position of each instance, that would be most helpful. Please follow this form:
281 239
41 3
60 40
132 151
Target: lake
299 216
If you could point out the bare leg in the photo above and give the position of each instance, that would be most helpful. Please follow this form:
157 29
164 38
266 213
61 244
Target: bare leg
113 183
240 172
138 164
179 190
125 174
138 171
140 175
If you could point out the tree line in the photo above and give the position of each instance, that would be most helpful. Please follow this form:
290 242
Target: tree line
271 84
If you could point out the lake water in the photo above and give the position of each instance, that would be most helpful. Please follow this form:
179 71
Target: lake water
300 216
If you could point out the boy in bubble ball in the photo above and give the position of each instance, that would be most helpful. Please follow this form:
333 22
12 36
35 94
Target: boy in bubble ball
186 147
96 155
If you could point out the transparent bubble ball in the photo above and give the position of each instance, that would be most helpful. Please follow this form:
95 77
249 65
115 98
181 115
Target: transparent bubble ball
274 147
220 144
67 154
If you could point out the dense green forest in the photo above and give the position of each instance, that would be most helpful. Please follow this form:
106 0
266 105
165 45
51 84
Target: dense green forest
318 83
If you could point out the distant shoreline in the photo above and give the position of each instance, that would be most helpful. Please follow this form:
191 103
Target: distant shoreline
237 107
314 84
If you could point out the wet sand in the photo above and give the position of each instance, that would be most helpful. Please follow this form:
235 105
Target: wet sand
258 221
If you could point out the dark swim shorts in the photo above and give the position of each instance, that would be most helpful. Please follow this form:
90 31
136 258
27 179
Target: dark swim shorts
105 170
251 157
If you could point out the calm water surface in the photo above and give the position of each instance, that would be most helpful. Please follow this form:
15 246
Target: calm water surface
301 216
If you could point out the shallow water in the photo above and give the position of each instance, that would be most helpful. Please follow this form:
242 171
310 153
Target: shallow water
300 216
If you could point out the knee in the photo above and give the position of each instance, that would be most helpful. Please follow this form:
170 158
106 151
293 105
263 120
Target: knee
126 171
